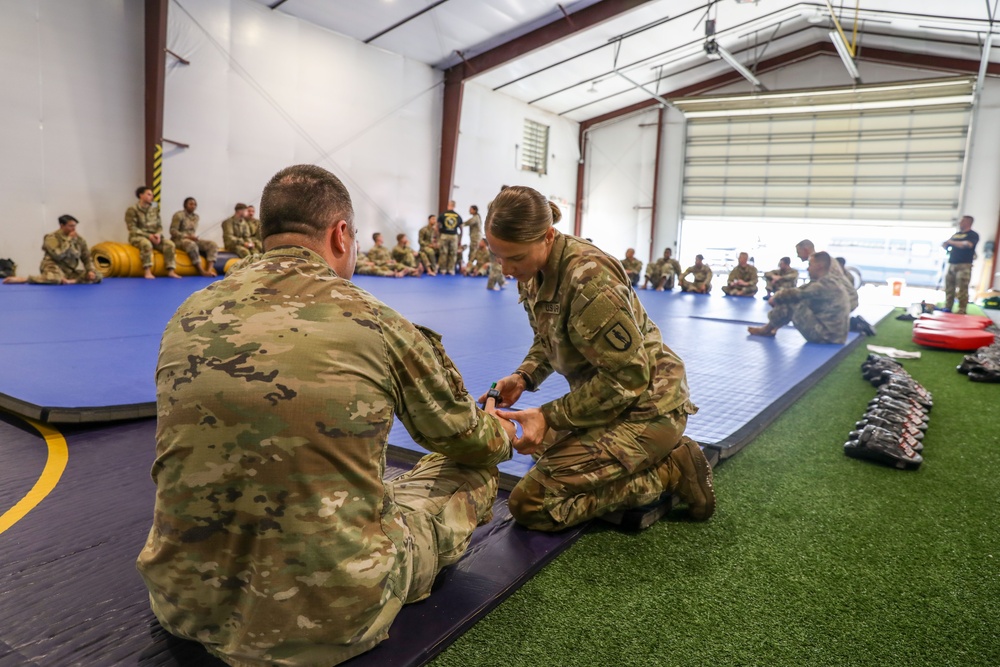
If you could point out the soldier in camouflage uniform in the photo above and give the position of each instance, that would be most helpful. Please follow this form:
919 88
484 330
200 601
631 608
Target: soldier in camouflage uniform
184 233
379 253
275 539
255 226
702 283
428 239
742 280
479 262
66 260
145 232
820 309
784 277
632 266
805 249
961 251
450 238
238 234
615 440
496 281
475 225
366 267
403 254
663 272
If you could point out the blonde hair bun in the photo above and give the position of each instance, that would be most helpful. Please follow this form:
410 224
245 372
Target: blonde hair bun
556 213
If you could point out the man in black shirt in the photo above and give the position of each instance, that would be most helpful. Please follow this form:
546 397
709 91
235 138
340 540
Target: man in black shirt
450 229
961 251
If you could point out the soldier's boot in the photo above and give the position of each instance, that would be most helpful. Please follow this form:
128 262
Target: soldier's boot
894 426
969 362
984 374
687 474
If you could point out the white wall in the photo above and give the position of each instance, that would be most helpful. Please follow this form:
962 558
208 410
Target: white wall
71 120
619 183
491 127
265 90
983 195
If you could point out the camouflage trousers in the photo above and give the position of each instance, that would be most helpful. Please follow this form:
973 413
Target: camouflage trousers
54 274
744 290
428 257
194 248
695 286
659 276
586 474
803 318
474 236
409 261
442 503
371 269
146 247
956 283
496 278
448 253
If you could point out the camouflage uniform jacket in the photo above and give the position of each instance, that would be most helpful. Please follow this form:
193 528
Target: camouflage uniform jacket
143 222
427 236
70 254
828 300
665 267
404 255
183 225
591 328
379 254
632 265
837 272
274 538
475 225
747 274
236 232
702 274
479 258
781 280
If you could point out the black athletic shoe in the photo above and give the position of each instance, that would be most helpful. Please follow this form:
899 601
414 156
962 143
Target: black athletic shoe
861 325
982 374
896 427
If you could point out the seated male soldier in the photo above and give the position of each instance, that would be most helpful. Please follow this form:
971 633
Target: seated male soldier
820 309
404 255
66 260
632 266
275 539
742 280
702 277
784 276
805 249
238 235
479 260
663 272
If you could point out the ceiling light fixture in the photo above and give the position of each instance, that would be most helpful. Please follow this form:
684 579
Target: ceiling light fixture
845 55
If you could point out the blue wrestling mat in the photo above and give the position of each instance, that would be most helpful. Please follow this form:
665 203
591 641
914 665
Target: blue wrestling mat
85 353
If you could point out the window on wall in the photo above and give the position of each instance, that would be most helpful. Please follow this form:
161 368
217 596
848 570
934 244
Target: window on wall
535 151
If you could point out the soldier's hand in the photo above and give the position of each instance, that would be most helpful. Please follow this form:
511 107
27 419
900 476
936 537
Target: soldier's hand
155 238
533 429
510 388
91 275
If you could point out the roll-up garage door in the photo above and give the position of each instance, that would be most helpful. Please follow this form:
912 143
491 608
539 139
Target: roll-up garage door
878 153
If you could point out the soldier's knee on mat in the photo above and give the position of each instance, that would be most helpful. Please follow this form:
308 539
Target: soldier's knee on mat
527 507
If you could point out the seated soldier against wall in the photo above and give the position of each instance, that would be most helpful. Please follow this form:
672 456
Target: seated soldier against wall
479 261
145 232
66 260
238 235
701 282
742 279
784 276
275 538
632 266
404 255
184 233
820 309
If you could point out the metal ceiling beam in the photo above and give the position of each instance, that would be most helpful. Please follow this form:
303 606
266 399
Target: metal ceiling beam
405 21
456 76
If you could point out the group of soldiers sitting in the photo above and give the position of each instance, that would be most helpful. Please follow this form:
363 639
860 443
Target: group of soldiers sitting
67 260
662 274
439 252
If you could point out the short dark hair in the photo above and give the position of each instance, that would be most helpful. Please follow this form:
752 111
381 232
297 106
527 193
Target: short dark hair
240 207
187 199
823 258
376 235
304 199
785 260
139 190
474 208
400 237
701 257
66 219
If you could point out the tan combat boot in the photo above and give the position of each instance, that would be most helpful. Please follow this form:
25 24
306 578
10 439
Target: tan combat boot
691 479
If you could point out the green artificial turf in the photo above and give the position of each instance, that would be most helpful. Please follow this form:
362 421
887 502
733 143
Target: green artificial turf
812 558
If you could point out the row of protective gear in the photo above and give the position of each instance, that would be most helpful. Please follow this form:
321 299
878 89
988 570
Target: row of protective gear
983 365
892 429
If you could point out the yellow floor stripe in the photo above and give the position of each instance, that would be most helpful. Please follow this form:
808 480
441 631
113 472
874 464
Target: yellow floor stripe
54 466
